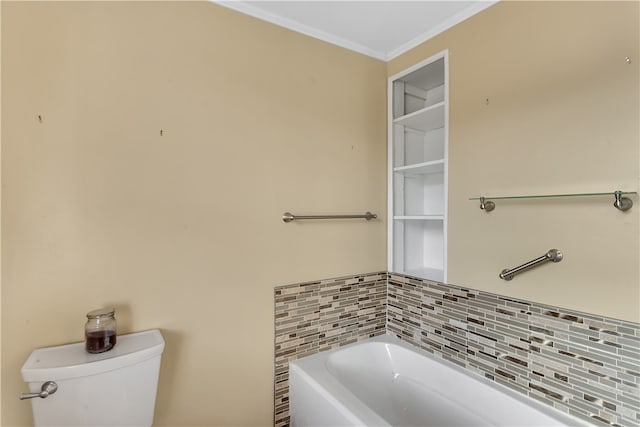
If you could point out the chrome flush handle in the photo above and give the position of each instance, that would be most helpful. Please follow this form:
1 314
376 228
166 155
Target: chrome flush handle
47 389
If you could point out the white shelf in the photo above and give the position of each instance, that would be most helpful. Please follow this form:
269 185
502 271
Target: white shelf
436 166
435 274
420 217
429 118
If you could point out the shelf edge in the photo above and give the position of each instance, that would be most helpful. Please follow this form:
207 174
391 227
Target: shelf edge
424 110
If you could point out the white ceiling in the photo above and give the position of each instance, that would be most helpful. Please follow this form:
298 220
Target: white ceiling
381 29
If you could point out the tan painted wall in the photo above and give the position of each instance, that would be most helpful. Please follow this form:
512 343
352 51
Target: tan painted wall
561 117
0 217
182 231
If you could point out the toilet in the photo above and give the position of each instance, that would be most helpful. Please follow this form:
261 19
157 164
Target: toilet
114 388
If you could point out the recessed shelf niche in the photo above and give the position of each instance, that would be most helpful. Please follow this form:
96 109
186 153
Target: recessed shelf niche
418 105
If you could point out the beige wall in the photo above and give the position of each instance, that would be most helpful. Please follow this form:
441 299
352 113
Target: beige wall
180 232
561 117
0 217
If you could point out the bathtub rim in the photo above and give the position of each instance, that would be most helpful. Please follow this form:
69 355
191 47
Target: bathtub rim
315 364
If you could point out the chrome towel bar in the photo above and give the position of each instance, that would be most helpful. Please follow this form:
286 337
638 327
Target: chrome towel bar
552 255
288 217
621 203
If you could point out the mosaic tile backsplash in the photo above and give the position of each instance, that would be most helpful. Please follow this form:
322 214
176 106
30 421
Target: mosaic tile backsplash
317 316
586 365
582 364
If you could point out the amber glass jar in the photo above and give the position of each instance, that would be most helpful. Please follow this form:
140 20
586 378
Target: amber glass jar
100 330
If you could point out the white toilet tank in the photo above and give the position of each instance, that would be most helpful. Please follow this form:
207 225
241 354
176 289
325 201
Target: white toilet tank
115 388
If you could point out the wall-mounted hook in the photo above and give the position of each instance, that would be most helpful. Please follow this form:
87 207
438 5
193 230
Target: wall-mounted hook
627 60
487 206
161 132
622 203
39 118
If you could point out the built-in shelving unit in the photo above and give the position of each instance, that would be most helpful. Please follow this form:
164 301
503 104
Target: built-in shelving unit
418 129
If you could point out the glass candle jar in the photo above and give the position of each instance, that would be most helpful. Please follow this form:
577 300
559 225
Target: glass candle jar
100 330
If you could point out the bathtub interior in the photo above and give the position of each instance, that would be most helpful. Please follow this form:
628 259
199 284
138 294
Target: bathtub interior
401 395
406 386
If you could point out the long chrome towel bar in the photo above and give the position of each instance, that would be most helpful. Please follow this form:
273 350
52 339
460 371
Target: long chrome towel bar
621 203
288 217
552 255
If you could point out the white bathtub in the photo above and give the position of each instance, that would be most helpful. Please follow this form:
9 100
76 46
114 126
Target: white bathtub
387 382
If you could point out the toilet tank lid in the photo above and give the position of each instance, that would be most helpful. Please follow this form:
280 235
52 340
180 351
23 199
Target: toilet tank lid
72 361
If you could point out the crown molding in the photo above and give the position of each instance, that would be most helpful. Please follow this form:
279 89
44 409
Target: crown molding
296 26
248 9
441 28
